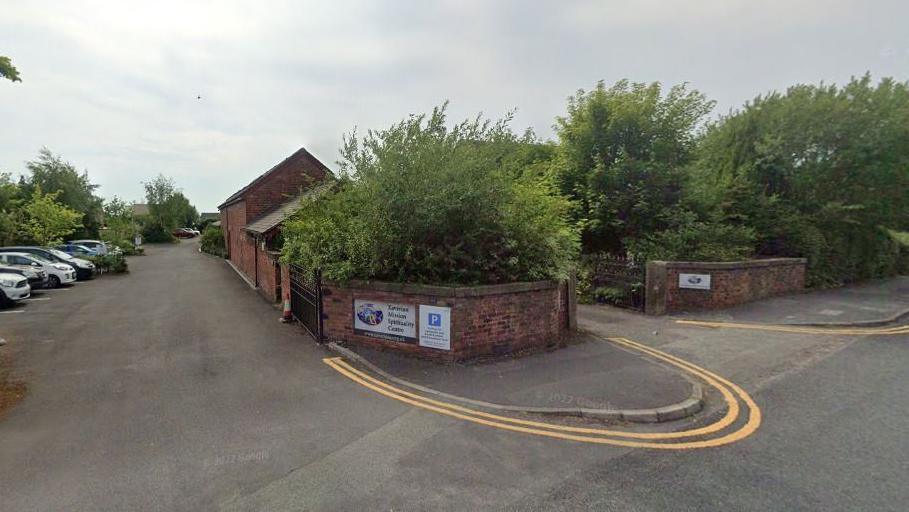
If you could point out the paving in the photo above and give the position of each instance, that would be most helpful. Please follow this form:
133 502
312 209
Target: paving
175 388
875 301
587 374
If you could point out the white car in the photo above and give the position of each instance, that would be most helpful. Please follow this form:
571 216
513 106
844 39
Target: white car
13 287
57 273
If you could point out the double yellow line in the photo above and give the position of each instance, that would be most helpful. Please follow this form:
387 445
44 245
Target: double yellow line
731 393
832 331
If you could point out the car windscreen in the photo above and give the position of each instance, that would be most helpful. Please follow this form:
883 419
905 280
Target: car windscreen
59 254
40 259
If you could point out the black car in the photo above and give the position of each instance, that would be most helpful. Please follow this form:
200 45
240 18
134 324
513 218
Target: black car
84 269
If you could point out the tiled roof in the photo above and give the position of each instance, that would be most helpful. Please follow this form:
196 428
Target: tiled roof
275 217
236 196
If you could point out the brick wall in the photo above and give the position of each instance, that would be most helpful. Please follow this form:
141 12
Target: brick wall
299 171
269 278
240 246
732 283
485 320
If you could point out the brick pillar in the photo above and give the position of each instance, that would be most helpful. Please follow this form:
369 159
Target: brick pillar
655 284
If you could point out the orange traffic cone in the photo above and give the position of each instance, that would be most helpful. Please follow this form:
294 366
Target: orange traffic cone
286 315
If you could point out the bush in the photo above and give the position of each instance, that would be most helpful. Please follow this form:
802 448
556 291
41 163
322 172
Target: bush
115 263
422 202
691 239
817 172
212 241
154 232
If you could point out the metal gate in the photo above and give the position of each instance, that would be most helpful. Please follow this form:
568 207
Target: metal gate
306 299
617 280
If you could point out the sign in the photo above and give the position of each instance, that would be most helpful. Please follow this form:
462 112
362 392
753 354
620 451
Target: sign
694 281
435 327
395 322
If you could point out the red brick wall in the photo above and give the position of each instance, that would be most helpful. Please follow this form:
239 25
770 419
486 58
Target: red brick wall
300 171
732 283
485 321
269 275
240 246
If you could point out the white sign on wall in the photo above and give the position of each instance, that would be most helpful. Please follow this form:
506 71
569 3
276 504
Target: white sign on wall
395 322
694 281
435 327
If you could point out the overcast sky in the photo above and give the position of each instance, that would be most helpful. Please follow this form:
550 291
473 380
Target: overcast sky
113 86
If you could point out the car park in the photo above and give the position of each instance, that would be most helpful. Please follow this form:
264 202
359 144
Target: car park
96 245
56 273
84 269
34 272
77 250
13 287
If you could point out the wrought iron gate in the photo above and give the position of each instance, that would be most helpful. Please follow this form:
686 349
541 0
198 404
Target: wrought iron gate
617 280
306 299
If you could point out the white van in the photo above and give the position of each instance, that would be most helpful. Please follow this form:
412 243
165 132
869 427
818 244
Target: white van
57 273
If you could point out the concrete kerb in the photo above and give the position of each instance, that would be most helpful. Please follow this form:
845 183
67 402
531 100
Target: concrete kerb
899 316
688 407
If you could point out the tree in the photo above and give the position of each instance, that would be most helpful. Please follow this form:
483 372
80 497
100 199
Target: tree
621 157
8 71
819 171
51 173
168 209
48 221
424 202
118 217
9 209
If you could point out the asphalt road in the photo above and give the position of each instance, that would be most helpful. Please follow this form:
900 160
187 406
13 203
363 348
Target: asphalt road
176 388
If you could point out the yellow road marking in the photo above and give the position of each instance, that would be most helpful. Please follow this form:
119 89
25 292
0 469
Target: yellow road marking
569 433
839 331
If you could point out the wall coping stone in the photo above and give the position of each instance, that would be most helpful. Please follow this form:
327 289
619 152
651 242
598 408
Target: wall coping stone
445 291
732 265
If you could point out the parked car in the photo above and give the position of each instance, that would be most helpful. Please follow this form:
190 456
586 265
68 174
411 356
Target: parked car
183 233
84 269
56 273
77 250
96 245
13 287
18 264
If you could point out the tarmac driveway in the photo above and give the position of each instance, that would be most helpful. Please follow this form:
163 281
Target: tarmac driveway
176 388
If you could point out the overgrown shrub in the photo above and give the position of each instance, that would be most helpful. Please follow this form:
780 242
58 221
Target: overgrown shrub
115 263
154 232
422 202
212 241
818 172
691 239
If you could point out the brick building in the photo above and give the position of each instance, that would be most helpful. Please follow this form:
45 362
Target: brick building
251 217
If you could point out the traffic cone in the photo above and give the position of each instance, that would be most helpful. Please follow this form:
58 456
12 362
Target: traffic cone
287 316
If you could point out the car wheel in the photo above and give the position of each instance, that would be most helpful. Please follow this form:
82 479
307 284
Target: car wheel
54 281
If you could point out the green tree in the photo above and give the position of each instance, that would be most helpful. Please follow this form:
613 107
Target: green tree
819 171
47 220
421 201
622 155
168 209
51 173
118 218
8 71
9 209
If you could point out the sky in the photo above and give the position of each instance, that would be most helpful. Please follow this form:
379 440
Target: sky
113 86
